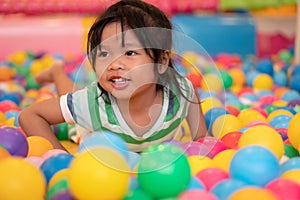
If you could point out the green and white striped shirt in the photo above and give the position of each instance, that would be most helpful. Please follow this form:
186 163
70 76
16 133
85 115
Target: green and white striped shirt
88 108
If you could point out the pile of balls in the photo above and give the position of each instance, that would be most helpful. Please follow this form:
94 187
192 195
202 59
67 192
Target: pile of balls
251 109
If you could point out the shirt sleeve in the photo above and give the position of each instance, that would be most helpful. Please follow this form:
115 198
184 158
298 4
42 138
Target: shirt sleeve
65 109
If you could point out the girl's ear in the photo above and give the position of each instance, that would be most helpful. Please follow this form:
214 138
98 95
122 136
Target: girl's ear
165 59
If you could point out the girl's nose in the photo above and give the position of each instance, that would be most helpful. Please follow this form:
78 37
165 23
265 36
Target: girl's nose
116 65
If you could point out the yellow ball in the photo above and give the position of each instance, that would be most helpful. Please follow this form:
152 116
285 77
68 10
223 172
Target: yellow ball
198 163
63 173
222 160
250 115
21 180
210 102
264 136
278 112
293 175
99 173
263 82
189 59
2 117
250 193
38 145
212 83
238 77
293 131
225 124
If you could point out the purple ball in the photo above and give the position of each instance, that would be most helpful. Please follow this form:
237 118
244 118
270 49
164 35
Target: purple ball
63 195
14 141
294 102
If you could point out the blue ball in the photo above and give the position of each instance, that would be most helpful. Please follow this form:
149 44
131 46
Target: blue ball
293 163
265 66
211 115
296 70
195 184
250 77
106 139
291 95
279 119
255 165
295 83
225 188
54 164
280 78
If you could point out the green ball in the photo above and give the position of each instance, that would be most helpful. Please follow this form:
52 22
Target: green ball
163 171
62 131
226 79
270 108
290 151
57 187
137 194
31 83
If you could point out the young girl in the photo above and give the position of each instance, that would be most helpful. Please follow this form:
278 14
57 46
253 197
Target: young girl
138 95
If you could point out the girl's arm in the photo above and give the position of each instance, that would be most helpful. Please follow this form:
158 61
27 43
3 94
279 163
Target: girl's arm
195 118
38 118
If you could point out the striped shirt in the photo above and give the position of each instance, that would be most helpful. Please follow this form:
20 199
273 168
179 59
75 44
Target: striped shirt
93 111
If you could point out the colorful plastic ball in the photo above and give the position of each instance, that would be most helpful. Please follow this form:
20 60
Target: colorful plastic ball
197 194
211 176
31 83
231 140
284 188
247 193
38 145
222 160
293 163
280 78
293 175
210 102
226 187
137 194
238 76
62 131
21 180
279 119
249 115
263 82
59 186
198 163
294 103
293 131
7 105
290 95
212 82
212 114
226 79
54 164
103 138
3 152
225 124
195 183
251 76
195 79
104 172
194 148
294 83
264 136
277 112
35 160
265 66
64 194
61 174
232 110
6 73
164 171
254 165
14 141
290 151
213 144
52 152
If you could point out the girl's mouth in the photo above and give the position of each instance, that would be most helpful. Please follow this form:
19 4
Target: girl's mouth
119 83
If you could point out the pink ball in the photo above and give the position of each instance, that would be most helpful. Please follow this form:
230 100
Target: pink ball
211 176
196 195
213 144
52 152
194 148
285 189
35 160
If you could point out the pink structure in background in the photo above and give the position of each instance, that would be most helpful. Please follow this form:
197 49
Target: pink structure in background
56 35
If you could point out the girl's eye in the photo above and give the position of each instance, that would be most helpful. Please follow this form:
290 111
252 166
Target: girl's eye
103 54
130 53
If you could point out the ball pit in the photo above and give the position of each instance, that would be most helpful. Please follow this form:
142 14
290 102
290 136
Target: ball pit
241 105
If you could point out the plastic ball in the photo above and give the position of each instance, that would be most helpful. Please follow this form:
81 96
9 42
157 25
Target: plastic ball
263 82
222 160
195 183
247 193
99 167
231 140
164 171
238 76
211 176
280 79
210 102
61 174
31 83
194 148
294 83
21 180
58 187
54 164
52 152
254 165
35 160
290 95
63 194
290 151
198 163
197 194
6 73
280 119
137 194
265 66
249 115
212 82
195 79
293 175
7 105
251 76
225 124
226 187
226 79
284 188
213 144
293 163
264 136
62 131
103 139
277 112
212 114
3 153
38 145
293 131
14 141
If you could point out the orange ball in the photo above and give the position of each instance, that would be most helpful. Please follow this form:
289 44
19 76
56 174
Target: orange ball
4 153
38 145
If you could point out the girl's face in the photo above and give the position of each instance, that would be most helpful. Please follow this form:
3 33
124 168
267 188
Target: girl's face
122 65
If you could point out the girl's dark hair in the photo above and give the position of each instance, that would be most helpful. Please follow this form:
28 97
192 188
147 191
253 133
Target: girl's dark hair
138 16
